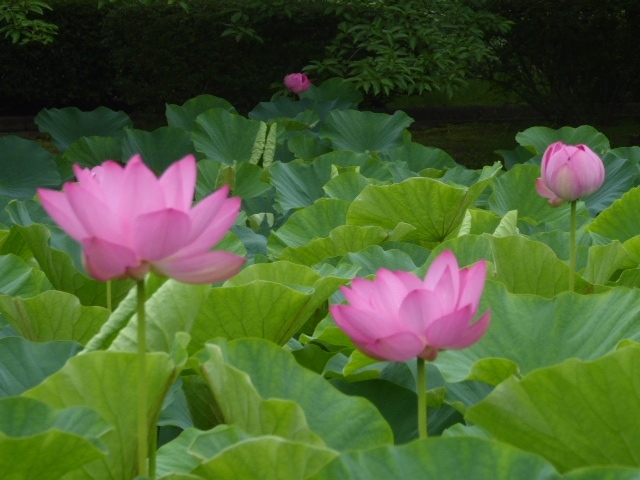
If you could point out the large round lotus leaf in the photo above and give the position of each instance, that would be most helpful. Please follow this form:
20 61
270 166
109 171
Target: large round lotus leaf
539 138
575 414
528 332
25 166
365 131
227 138
184 116
66 125
442 459
159 148
24 364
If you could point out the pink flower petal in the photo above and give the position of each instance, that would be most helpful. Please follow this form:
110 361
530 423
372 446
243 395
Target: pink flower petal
400 347
363 325
545 192
443 276
419 309
472 282
58 208
206 267
105 260
160 234
390 291
446 331
137 192
95 216
211 219
178 183
473 333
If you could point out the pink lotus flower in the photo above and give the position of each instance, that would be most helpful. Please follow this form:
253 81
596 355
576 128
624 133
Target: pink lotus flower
297 82
569 173
130 222
398 316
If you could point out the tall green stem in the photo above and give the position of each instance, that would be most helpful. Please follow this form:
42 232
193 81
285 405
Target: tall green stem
422 399
109 295
572 248
143 428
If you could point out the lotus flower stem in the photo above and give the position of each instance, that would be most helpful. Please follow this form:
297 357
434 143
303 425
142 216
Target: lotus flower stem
109 306
572 248
143 429
422 399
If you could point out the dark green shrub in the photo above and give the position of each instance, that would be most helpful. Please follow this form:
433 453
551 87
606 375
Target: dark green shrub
573 60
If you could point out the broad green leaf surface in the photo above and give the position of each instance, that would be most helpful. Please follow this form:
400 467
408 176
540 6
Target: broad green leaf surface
620 176
171 309
341 240
159 148
419 157
373 258
603 473
184 116
343 423
24 364
365 131
225 137
59 269
621 221
92 151
574 414
106 382
605 260
441 458
308 224
527 266
432 207
39 442
347 185
539 138
267 458
66 125
25 166
270 301
299 184
53 315
332 89
19 279
516 190
528 332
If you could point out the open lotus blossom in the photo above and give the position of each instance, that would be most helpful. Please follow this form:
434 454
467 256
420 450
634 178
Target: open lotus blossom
398 316
297 82
129 222
568 173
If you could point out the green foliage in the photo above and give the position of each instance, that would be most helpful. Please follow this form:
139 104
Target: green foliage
392 46
576 77
21 28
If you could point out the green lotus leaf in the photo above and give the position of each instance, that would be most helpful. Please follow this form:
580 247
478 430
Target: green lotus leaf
341 240
19 279
312 222
433 208
530 332
266 458
92 151
158 149
52 315
620 221
442 458
537 139
184 116
103 381
347 185
335 89
24 364
374 257
271 301
575 414
39 442
24 167
66 125
235 369
605 260
419 157
226 137
620 176
357 131
63 275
